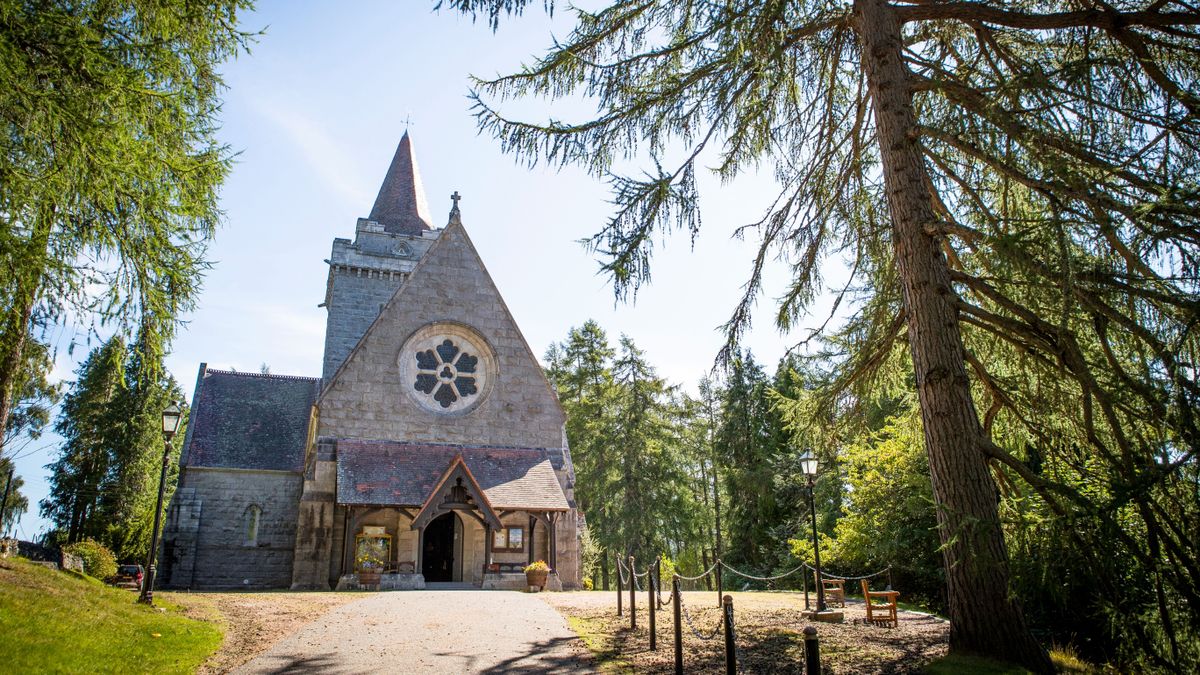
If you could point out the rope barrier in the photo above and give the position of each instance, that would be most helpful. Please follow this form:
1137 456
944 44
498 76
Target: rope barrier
702 574
835 576
751 576
692 626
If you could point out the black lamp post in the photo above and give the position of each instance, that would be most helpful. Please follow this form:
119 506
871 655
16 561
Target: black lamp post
170 424
808 465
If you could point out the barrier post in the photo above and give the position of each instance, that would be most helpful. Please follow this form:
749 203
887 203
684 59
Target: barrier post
632 597
730 647
677 605
658 579
812 652
651 605
619 600
805 578
720 587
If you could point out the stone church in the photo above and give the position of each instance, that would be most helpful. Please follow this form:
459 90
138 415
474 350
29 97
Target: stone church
431 449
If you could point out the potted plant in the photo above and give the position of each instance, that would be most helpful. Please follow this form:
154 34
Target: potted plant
370 561
537 573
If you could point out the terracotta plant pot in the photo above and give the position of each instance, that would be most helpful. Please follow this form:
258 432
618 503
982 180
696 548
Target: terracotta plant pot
537 578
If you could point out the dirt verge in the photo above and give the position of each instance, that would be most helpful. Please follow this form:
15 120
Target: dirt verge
253 621
768 627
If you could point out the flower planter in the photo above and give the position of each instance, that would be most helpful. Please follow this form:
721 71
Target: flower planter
369 578
537 578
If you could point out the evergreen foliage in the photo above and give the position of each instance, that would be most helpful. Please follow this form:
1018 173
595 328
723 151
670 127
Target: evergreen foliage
104 484
1016 187
110 166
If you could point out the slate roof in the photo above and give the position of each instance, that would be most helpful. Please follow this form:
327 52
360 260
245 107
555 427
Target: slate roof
386 473
250 421
400 205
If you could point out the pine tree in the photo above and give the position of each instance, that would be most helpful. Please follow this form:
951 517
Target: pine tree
1013 174
104 485
111 166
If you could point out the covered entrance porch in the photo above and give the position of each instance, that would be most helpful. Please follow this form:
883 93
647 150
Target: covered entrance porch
456 535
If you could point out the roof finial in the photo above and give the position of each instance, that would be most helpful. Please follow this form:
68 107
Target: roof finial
455 215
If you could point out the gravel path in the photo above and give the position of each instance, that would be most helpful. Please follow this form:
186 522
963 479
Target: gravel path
432 632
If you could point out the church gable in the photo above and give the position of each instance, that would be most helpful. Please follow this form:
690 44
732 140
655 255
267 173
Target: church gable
444 363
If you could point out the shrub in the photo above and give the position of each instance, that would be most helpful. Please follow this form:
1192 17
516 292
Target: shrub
98 561
587 584
539 566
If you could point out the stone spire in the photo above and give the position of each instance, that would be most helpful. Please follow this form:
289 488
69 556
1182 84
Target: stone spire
401 206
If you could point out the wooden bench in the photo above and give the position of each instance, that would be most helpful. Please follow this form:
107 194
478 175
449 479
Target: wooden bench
881 606
504 568
835 590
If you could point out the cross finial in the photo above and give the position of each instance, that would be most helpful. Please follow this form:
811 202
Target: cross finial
455 197
454 213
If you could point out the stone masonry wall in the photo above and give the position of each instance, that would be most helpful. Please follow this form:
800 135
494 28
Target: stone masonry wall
209 548
369 400
355 298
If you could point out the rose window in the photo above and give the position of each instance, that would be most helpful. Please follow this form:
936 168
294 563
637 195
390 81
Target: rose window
446 373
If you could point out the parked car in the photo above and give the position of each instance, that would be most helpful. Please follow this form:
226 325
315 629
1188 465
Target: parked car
128 576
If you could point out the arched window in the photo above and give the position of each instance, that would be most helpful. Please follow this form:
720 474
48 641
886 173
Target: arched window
253 515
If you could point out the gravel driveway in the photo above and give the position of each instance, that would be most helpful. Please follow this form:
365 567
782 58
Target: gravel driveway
432 632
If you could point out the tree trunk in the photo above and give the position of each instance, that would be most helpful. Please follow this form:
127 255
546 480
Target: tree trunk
985 619
604 570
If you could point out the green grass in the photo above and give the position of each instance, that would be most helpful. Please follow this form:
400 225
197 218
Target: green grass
600 644
69 623
961 664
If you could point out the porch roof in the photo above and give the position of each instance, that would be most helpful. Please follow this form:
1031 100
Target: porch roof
389 473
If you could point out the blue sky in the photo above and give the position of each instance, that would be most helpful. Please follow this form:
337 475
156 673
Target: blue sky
315 112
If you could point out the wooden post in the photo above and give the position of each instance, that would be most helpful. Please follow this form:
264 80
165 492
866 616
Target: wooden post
720 587
812 652
730 647
632 597
552 533
619 599
805 578
529 544
658 581
676 604
651 604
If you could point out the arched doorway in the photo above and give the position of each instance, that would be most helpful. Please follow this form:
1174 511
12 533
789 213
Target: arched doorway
441 558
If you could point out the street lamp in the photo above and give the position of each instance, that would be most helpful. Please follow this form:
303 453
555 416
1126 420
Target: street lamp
808 466
170 424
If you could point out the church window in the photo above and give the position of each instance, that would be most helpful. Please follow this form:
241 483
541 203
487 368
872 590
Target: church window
446 373
253 515
509 539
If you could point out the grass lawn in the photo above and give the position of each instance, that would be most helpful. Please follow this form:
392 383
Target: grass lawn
68 623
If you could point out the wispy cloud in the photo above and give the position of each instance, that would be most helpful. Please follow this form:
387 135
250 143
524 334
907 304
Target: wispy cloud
324 156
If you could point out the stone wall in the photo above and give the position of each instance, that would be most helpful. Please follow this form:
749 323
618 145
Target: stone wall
368 398
208 541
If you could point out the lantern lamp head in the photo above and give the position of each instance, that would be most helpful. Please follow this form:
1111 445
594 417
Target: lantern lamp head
808 463
170 419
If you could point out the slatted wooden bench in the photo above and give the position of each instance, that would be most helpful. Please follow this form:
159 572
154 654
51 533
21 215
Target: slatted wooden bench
835 591
881 606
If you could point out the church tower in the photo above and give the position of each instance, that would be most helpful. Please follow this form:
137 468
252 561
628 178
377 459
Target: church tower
430 451
365 273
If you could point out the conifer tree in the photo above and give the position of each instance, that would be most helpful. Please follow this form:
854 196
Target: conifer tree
110 165
104 484
1015 178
